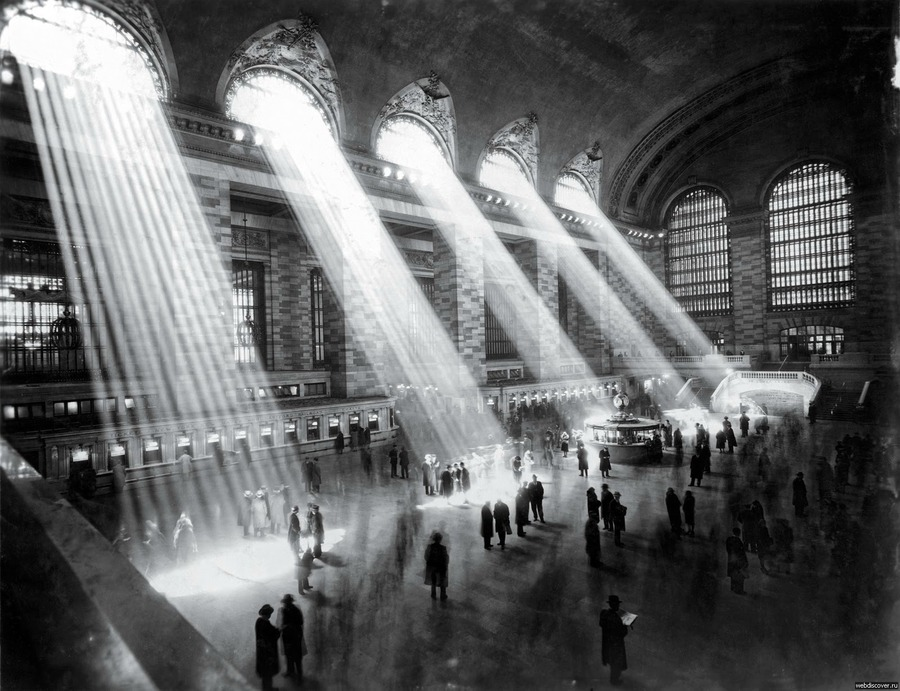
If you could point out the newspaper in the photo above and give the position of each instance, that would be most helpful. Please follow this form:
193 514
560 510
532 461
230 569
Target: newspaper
627 617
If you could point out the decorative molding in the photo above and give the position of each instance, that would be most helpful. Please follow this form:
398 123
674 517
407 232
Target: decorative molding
522 137
686 121
587 167
423 260
137 16
437 110
29 211
253 239
296 47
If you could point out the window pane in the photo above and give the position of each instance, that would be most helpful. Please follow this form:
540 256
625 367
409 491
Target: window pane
501 171
572 193
409 142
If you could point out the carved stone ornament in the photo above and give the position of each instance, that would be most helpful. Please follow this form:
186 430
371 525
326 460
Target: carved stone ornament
296 47
436 109
420 259
252 239
589 169
521 136
29 211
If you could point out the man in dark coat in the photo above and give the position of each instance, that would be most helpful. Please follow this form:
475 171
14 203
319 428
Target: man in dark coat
316 527
688 507
744 424
605 465
536 497
606 498
290 622
613 646
673 507
592 541
267 663
501 521
617 516
737 562
339 442
582 457
487 524
521 510
294 530
800 500
393 456
446 483
404 463
697 467
437 561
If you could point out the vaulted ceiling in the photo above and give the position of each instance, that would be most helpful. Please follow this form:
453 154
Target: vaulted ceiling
642 77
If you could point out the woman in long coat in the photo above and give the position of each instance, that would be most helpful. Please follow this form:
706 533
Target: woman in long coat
267 663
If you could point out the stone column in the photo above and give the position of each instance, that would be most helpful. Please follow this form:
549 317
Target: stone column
748 276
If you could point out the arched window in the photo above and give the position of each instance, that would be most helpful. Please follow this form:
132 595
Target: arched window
75 40
408 141
502 171
698 253
273 99
810 239
573 193
803 341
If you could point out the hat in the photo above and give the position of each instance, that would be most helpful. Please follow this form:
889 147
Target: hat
295 509
287 598
315 507
260 493
265 610
614 600
799 474
616 494
248 493
604 486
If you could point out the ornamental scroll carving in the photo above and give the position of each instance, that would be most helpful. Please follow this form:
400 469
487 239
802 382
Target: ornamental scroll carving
252 239
522 137
297 47
29 211
429 99
423 260
590 167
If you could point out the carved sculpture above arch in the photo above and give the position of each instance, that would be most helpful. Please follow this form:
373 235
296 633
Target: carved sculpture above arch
522 138
294 46
427 99
587 165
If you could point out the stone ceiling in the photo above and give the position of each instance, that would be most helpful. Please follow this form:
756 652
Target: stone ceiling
607 70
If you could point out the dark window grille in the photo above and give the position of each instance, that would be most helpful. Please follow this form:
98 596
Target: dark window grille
810 247
499 323
34 292
421 338
317 315
248 299
803 341
698 253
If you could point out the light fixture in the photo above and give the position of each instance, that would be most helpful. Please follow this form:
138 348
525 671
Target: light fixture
386 171
239 135
247 331
65 331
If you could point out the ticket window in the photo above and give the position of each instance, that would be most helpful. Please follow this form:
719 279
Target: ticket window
214 446
312 429
118 453
184 444
334 426
81 454
266 438
151 450
290 432
353 421
373 422
241 442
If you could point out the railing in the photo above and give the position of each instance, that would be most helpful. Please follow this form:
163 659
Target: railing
724 388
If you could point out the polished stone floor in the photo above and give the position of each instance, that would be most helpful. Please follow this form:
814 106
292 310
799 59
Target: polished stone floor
526 617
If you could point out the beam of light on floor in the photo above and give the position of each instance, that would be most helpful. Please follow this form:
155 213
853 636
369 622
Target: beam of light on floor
360 261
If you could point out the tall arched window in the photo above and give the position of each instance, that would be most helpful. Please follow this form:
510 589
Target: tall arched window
317 316
409 142
573 193
810 239
698 253
75 40
502 171
273 99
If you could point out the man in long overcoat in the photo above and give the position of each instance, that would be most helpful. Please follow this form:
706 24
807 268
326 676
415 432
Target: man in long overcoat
697 467
673 507
612 649
582 457
501 521
290 623
267 663
487 524
606 498
800 500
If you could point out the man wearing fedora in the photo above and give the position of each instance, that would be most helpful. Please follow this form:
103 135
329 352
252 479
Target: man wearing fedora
612 648
266 647
290 623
